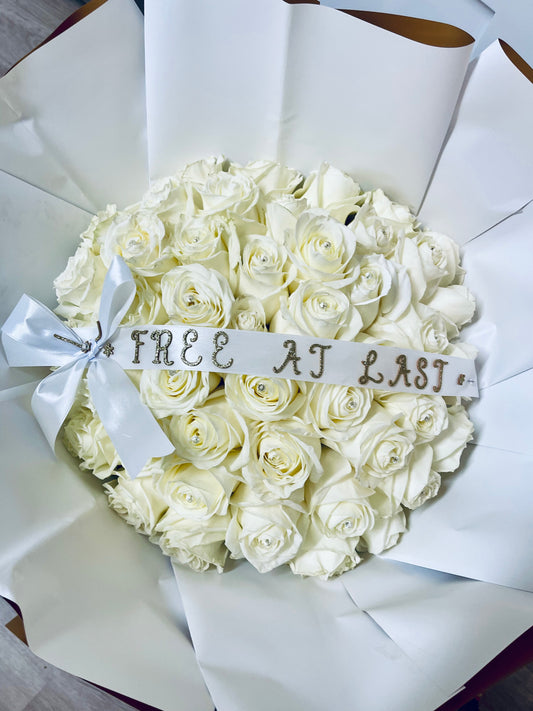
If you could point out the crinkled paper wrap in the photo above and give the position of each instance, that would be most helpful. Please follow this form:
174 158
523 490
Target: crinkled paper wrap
301 84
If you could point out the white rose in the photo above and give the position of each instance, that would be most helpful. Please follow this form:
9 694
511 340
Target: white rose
405 486
79 286
337 502
207 435
263 398
281 216
83 397
375 278
173 392
248 314
402 332
434 333
266 535
85 437
146 306
139 238
394 212
272 178
439 257
282 459
449 445
225 192
210 240
318 310
197 296
455 303
380 225
200 170
98 226
264 272
333 190
168 197
380 448
427 415
429 491
321 248
385 533
192 492
137 502
335 410
323 556
407 256
198 544
422 329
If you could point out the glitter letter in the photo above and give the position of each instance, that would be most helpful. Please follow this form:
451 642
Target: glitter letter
136 336
291 356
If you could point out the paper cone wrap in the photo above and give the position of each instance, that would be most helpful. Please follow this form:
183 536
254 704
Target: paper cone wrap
396 108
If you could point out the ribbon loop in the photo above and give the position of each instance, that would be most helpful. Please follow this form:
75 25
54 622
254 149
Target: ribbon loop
34 336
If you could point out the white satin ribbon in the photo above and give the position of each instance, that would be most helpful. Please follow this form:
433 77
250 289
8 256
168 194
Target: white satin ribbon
34 336
297 357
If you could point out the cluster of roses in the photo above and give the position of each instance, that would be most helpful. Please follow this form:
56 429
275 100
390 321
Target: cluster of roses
275 470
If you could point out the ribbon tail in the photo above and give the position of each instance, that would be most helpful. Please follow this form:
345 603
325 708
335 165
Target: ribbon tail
132 428
54 396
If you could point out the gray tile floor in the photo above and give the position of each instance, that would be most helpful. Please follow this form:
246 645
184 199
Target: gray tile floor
26 682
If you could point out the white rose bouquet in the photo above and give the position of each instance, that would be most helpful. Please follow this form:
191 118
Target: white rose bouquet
267 79
273 469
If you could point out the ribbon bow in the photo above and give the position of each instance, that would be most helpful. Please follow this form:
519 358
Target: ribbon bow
34 336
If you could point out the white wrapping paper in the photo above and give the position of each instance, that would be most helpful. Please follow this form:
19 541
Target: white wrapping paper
98 598
485 169
288 82
85 160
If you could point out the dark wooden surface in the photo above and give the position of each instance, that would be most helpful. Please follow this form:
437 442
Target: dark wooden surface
26 682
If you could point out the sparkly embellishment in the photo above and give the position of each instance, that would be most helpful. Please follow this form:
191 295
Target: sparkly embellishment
190 336
108 350
189 499
394 459
427 418
264 259
322 349
84 347
327 245
439 363
190 300
347 525
220 340
195 439
323 305
351 405
266 541
161 347
370 360
421 382
261 387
